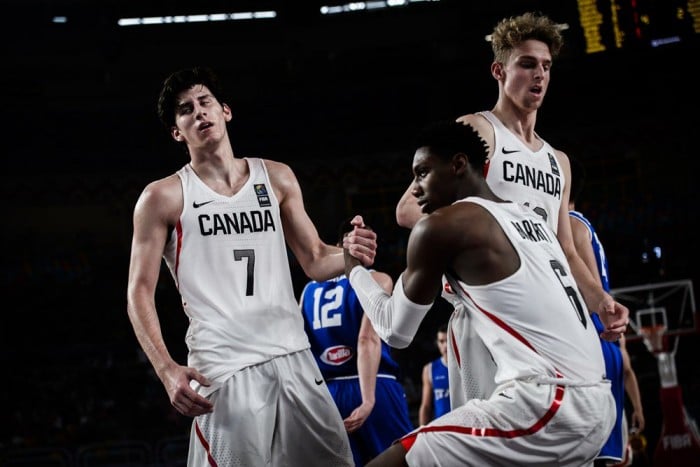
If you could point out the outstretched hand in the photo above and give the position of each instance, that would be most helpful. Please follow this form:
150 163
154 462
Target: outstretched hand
182 396
615 318
361 242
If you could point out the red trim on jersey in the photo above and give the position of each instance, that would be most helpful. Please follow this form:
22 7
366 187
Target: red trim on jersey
178 230
202 440
408 441
487 164
500 322
556 403
455 349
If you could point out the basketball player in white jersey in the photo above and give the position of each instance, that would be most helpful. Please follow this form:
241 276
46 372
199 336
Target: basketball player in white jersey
522 166
221 223
551 404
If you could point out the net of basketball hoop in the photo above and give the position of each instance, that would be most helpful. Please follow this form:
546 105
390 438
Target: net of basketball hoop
654 337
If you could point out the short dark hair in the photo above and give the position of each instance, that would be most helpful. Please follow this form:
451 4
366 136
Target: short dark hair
446 138
183 80
442 328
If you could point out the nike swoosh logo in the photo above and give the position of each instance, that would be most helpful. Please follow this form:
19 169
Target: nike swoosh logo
506 151
196 205
318 381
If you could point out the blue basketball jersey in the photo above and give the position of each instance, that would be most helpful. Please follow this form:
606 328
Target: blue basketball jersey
332 317
613 448
598 250
441 387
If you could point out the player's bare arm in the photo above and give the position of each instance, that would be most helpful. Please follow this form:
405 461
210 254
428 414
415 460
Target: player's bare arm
407 209
369 353
613 314
157 208
368 357
582 241
319 260
632 389
426 259
425 410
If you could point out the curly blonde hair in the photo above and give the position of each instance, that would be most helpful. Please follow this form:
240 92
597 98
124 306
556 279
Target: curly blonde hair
510 32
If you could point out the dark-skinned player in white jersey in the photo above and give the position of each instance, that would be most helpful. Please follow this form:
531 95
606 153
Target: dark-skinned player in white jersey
551 403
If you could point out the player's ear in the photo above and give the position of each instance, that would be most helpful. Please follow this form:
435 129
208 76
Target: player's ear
497 70
460 161
228 114
176 134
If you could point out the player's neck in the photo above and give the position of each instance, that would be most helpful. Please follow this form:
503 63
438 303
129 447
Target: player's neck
519 121
225 176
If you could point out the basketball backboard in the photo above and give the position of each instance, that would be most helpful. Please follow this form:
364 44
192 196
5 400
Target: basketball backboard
669 306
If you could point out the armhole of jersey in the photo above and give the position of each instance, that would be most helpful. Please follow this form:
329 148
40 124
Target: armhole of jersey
171 228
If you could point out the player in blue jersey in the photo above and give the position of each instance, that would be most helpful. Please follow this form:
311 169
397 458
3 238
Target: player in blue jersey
357 366
435 393
618 368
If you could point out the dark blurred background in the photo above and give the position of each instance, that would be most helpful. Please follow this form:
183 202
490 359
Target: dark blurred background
337 97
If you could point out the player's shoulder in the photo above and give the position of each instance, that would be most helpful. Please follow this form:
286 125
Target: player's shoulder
162 189
447 226
476 120
274 166
161 199
561 156
280 173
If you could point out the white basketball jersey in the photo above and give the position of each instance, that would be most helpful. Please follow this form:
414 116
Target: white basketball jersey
228 257
534 322
516 173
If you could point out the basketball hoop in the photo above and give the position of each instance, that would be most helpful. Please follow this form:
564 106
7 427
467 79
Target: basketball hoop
653 336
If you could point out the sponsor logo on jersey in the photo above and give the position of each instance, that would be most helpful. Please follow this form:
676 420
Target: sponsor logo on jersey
509 151
236 223
261 193
533 178
553 164
196 205
336 355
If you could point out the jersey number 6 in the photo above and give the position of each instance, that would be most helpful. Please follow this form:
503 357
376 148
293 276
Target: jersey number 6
570 291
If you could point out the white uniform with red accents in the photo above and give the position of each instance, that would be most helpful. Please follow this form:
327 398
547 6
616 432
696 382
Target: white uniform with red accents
515 173
551 405
228 257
